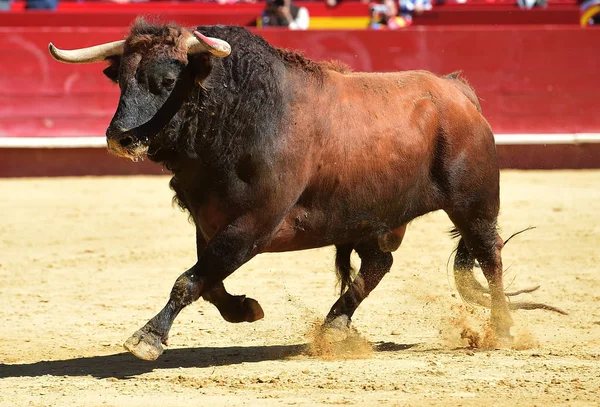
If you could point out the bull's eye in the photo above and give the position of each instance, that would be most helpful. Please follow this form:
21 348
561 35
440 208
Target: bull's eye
168 82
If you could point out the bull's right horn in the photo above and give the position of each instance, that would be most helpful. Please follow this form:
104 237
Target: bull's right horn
214 46
97 53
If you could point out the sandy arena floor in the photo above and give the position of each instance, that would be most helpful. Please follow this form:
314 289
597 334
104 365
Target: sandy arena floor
84 262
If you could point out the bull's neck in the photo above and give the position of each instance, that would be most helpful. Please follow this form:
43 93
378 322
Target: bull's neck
233 114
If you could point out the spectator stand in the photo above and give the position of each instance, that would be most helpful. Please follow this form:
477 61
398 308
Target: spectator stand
498 12
349 14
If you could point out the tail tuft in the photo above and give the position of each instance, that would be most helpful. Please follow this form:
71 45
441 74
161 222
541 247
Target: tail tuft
454 233
472 292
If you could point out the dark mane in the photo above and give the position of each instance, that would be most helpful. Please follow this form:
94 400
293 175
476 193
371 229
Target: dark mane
239 107
295 59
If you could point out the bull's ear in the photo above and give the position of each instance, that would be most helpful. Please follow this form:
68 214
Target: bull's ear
201 66
112 70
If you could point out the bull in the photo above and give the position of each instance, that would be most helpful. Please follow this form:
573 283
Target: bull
272 152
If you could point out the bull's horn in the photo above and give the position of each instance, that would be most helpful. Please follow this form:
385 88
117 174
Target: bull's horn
97 53
200 43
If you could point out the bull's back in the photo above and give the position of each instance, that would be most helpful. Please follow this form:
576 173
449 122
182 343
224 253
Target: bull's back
374 151
393 125
379 136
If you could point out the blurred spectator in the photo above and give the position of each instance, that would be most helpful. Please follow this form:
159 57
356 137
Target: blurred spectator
410 7
531 3
235 1
383 14
284 13
41 4
333 3
4 5
124 1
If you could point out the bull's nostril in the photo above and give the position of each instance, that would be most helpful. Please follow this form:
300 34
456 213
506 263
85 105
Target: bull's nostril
125 141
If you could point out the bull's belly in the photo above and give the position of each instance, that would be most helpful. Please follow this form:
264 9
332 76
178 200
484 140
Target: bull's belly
308 228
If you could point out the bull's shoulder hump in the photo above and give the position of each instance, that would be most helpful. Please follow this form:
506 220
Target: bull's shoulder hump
402 78
394 74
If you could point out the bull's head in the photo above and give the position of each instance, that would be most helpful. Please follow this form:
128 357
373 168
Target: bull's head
155 72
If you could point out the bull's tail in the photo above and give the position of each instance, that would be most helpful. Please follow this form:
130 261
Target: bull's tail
343 267
472 292
462 84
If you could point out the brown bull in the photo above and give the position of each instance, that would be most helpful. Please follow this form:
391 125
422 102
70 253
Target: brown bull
272 152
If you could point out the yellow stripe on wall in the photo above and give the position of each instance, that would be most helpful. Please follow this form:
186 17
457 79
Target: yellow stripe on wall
338 23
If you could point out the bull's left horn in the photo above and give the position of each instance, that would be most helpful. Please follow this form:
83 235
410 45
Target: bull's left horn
97 53
200 43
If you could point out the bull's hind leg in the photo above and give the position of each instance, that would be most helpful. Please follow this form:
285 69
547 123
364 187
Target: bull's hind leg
480 240
374 265
471 185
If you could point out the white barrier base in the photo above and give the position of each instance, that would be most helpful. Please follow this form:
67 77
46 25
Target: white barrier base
99 142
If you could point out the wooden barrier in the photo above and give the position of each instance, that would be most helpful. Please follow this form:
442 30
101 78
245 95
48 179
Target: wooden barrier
531 79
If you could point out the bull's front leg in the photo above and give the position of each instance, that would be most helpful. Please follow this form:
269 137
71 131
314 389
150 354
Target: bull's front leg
226 252
233 308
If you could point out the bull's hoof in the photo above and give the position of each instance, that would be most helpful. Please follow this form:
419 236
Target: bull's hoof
505 342
503 339
336 330
242 309
501 331
253 310
501 323
144 345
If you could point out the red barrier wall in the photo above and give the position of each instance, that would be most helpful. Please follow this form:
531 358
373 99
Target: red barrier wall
532 79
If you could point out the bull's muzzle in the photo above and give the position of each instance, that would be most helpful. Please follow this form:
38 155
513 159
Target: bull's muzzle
123 143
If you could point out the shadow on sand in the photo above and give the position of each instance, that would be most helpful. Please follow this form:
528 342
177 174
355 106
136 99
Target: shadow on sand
125 365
